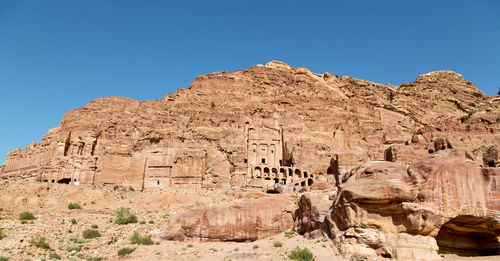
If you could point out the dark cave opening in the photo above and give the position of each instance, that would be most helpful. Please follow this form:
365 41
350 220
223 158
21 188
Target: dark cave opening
64 181
468 236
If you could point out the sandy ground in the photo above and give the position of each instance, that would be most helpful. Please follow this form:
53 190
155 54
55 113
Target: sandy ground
477 258
53 221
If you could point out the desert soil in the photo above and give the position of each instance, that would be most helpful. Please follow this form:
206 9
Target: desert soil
49 203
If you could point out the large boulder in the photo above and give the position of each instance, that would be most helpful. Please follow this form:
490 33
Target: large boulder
312 211
385 207
250 219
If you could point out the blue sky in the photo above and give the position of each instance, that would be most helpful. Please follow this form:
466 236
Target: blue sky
59 55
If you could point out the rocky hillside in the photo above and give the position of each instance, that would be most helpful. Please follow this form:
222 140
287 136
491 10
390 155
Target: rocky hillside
361 171
323 115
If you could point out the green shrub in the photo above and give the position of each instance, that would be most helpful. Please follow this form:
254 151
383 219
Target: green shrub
97 258
301 254
94 226
54 256
40 242
290 234
90 233
212 104
26 215
142 222
78 240
123 216
277 244
190 245
74 205
2 258
2 234
137 238
151 222
73 221
74 248
125 251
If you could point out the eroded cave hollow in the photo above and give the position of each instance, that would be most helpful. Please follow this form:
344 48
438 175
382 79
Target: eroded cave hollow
468 236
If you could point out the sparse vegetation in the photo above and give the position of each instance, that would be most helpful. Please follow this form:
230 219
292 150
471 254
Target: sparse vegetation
74 205
2 234
290 234
190 245
212 105
142 222
123 216
139 239
40 242
2 258
255 246
90 233
97 258
125 251
94 226
277 244
151 222
54 256
26 215
76 239
73 221
74 248
236 249
301 254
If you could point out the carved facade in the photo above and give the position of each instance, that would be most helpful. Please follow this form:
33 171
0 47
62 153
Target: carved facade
268 162
175 167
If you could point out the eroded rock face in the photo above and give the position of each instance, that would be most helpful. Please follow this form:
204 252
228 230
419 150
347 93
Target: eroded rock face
252 219
385 207
313 207
438 187
123 141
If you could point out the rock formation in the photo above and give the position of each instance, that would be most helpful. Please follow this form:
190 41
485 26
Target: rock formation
403 172
251 219
123 141
441 202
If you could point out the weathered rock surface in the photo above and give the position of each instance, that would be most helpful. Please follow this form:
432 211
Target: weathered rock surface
312 211
195 137
384 208
252 219
437 190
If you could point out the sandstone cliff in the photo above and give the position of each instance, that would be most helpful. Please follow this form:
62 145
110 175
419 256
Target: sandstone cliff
394 172
196 135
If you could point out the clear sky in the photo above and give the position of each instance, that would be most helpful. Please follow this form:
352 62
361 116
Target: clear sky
59 55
